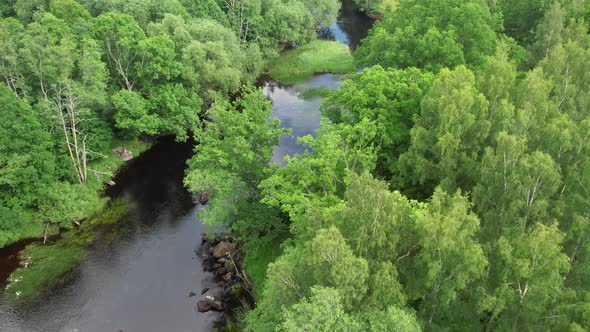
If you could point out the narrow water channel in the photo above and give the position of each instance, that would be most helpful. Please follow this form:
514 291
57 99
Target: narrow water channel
141 280
289 103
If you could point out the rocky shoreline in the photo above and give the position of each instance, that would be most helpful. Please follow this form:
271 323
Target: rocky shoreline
224 259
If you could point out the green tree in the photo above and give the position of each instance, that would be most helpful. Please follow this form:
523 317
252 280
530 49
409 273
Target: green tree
324 12
120 36
390 98
318 178
322 312
233 154
11 35
28 10
521 17
431 34
26 160
531 281
450 258
69 79
549 34
319 262
515 187
447 140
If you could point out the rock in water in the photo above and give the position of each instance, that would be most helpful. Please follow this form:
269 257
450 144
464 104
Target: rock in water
204 290
203 306
191 294
209 303
204 198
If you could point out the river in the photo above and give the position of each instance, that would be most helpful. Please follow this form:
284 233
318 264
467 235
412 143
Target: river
302 114
141 280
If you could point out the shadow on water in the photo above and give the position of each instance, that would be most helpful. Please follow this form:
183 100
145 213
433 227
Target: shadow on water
351 26
141 280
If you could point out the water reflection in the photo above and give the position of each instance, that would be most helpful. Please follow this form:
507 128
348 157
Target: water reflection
351 26
295 111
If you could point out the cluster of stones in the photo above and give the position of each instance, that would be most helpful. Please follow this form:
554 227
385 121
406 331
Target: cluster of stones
222 257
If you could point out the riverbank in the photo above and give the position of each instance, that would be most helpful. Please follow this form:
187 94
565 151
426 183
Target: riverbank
100 172
44 265
31 265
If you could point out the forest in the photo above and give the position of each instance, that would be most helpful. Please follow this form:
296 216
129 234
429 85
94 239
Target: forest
446 190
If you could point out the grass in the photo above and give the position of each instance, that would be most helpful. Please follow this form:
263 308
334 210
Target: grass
258 258
28 229
44 265
320 56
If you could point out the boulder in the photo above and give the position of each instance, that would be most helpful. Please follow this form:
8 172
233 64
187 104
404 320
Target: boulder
201 198
214 303
125 154
204 198
203 306
210 303
223 248
221 271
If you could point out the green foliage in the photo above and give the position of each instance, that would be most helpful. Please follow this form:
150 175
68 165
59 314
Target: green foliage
390 98
62 203
499 157
509 254
549 34
323 312
16 224
233 154
449 132
260 252
316 57
316 179
318 262
521 17
431 34
26 162
450 258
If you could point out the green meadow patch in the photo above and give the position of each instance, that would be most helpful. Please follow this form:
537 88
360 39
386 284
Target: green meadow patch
320 56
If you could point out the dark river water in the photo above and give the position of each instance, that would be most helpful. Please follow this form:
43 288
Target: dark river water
141 281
